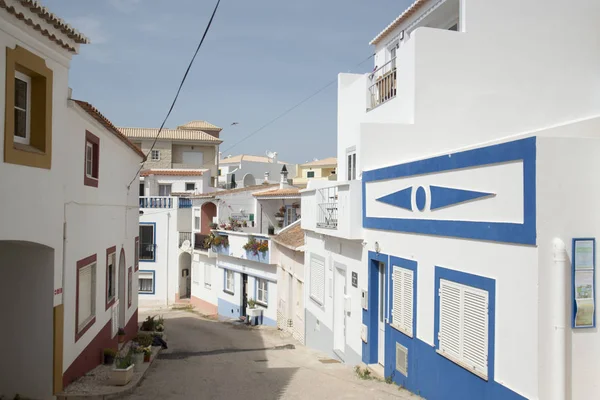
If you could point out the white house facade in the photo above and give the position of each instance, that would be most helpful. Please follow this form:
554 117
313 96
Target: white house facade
248 170
69 223
473 149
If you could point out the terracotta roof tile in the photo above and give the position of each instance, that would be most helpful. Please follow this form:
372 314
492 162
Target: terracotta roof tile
292 237
173 172
42 12
200 125
245 157
238 190
287 192
170 134
395 23
97 115
323 162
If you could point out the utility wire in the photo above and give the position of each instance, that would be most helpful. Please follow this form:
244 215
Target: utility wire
292 108
178 91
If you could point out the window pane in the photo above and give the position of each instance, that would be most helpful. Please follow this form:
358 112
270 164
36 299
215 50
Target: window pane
20 94
146 242
20 123
164 190
145 285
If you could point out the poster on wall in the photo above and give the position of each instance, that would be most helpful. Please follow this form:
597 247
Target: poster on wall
584 263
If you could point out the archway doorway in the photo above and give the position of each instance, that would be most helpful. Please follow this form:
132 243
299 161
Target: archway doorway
208 212
185 275
27 288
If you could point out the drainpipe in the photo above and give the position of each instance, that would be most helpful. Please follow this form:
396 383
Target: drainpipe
168 261
558 303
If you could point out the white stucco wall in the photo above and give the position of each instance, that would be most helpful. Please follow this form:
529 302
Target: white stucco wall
256 169
201 289
177 183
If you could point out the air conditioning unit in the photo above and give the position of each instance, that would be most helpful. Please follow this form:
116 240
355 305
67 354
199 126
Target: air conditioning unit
401 359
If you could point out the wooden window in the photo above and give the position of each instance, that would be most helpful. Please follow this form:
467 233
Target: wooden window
155 156
196 220
92 159
262 291
190 186
85 313
317 279
310 174
164 190
402 300
111 276
229 281
463 326
147 245
28 110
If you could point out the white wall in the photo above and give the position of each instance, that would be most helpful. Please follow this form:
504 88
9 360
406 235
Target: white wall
177 183
290 266
257 169
201 289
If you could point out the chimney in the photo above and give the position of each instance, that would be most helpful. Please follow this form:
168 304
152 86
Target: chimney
283 182
275 158
266 177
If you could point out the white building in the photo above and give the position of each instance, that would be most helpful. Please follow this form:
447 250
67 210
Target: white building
248 170
472 142
68 224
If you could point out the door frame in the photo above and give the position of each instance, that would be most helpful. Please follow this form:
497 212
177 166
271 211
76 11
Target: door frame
341 353
244 293
382 311
122 288
371 314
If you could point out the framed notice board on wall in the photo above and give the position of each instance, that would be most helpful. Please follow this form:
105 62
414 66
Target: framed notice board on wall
583 282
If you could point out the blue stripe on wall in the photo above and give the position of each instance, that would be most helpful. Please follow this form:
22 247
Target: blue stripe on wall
227 309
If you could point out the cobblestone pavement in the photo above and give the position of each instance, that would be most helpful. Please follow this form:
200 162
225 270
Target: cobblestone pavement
218 360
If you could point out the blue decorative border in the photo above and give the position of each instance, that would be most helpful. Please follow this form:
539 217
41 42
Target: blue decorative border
153 281
370 316
154 232
574 303
525 233
476 281
411 265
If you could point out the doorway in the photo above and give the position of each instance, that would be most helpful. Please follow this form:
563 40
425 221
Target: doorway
121 289
244 296
381 317
290 302
185 265
339 311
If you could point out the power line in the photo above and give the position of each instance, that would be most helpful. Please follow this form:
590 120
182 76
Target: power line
292 108
178 90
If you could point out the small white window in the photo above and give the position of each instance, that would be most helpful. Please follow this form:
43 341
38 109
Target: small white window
86 305
463 326
164 190
229 283
207 276
146 282
351 160
402 306
262 294
155 156
196 220
22 108
190 186
317 279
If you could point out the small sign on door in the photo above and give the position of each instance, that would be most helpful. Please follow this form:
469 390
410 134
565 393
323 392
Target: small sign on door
355 279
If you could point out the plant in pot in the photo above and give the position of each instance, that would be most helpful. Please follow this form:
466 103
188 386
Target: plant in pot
138 354
252 311
147 353
213 225
255 249
148 324
122 373
271 230
109 356
121 335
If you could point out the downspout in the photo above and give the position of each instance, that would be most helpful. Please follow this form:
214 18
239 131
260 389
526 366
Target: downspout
558 369
168 263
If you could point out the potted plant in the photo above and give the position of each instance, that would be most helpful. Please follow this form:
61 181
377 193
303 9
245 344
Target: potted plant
109 356
280 214
256 249
121 335
138 355
122 373
213 225
253 312
147 353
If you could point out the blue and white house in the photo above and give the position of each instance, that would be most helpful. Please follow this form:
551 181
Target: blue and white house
476 154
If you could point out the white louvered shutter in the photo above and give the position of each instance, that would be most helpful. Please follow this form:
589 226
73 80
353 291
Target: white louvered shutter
463 334
86 293
402 307
475 329
317 279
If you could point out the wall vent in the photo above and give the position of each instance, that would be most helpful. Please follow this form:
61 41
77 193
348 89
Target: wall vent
401 359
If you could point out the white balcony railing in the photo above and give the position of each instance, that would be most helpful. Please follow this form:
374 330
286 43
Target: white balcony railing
382 84
327 199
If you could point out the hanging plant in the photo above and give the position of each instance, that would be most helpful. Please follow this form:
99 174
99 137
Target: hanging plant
256 246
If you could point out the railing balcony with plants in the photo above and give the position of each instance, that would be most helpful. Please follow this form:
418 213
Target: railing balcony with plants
220 244
244 245
382 84
257 249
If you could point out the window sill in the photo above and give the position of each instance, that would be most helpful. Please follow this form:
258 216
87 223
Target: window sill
110 302
228 292
260 303
142 292
28 148
463 365
92 182
403 331
207 286
84 328
320 303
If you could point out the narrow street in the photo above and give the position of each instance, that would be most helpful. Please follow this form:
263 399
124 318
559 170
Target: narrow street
216 360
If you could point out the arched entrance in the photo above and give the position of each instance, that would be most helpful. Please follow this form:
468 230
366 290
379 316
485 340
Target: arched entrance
208 212
185 275
33 328
249 180
122 289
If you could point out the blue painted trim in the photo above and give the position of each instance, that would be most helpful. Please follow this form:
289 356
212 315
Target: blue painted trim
401 199
446 197
370 317
153 281
154 231
573 302
420 198
476 281
525 233
411 265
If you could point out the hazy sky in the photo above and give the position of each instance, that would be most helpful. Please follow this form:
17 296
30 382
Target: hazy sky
259 58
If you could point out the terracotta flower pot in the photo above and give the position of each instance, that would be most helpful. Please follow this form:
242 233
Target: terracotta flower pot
121 338
146 357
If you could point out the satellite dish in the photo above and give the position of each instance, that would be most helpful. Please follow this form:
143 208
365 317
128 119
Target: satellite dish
271 154
186 245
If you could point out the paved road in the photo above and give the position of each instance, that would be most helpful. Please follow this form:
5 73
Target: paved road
217 360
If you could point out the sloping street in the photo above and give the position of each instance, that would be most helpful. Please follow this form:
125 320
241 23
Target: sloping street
218 360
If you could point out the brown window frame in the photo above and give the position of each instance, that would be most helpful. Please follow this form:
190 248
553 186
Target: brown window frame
38 153
94 141
137 253
129 286
109 302
81 264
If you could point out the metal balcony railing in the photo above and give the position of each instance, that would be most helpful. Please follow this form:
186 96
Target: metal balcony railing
184 202
156 202
327 203
382 86
183 236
